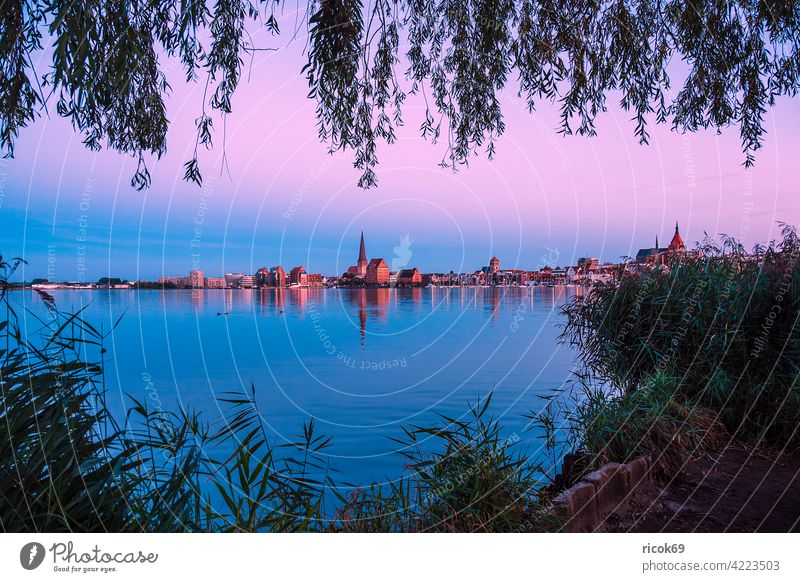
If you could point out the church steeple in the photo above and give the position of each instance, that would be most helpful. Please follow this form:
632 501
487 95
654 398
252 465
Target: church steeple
361 265
677 244
362 253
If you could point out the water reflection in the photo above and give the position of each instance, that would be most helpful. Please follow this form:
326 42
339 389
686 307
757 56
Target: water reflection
367 304
375 305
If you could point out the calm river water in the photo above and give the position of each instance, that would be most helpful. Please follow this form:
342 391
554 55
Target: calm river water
361 362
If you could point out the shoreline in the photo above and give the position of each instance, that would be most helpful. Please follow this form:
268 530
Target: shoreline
58 287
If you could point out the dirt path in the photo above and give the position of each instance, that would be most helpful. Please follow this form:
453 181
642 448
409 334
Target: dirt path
739 490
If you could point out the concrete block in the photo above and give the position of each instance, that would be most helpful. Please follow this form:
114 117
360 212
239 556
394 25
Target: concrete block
638 470
611 485
578 505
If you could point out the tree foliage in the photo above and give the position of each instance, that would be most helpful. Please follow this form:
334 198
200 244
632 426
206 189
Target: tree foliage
106 75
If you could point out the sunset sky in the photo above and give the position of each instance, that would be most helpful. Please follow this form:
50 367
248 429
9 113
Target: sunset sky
545 199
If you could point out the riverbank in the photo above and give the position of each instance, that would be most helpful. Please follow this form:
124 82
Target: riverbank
739 489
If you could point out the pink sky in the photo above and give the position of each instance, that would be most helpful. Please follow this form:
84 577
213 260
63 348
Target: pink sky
545 198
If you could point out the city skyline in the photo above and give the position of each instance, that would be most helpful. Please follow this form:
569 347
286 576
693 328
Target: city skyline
377 272
550 257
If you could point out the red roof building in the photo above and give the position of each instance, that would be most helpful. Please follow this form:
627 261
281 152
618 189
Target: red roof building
377 272
298 276
676 245
409 277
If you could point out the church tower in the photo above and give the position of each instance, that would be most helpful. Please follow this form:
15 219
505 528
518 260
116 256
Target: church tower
677 245
361 265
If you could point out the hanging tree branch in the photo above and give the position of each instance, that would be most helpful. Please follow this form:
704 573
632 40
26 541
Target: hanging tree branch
363 60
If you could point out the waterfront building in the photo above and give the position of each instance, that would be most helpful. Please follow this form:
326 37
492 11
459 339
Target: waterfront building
277 277
409 277
433 279
359 270
233 279
298 276
315 280
558 276
603 274
173 281
262 277
215 282
196 279
570 275
488 275
509 277
247 282
377 272
362 258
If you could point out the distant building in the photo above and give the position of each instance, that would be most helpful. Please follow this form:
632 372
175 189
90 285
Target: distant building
173 281
494 266
570 275
262 277
196 279
360 268
409 277
599 274
511 277
216 282
658 254
377 272
298 276
676 245
247 282
277 277
650 255
233 279
362 258
315 280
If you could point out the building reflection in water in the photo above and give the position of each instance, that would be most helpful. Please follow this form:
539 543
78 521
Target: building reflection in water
273 300
197 299
244 298
270 300
368 303
227 300
372 304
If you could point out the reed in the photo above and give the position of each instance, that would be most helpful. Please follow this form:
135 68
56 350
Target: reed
707 341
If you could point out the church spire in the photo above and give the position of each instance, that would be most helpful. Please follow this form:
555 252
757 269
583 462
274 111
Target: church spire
362 253
677 244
